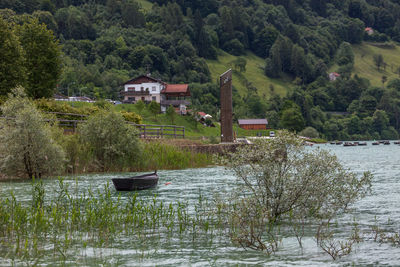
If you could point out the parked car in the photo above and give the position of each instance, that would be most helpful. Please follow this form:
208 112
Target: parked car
271 134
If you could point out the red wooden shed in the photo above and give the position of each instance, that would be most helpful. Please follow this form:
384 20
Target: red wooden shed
253 124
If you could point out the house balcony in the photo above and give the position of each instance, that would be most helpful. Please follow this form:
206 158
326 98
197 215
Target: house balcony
135 93
175 103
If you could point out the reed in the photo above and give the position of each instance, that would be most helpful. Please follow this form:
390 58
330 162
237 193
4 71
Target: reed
157 155
153 155
68 223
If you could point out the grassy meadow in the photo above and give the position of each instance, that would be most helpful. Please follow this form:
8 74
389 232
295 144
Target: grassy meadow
254 73
364 62
146 5
364 65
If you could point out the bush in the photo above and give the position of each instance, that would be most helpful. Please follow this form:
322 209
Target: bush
27 144
113 143
132 117
390 134
309 132
46 105
103 104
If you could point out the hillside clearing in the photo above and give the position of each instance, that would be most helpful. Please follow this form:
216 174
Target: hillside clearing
254 73
364 62
146 5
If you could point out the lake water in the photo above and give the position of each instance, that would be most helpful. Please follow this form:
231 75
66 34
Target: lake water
382 207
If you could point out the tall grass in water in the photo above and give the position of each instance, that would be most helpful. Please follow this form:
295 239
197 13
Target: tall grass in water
154 155
158 155
66 224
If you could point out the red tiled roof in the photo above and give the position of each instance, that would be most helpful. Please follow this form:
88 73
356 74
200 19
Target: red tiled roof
201 113
336 74
176 88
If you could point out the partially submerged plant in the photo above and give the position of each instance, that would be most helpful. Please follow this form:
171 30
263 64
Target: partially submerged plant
283 183
69 221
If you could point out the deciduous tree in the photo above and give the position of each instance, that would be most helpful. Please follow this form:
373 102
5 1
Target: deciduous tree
171 113
292 119
378 61
12 68
42 59
154 108
284 187
27 145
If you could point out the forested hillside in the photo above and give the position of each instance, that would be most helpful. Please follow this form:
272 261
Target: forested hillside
106 42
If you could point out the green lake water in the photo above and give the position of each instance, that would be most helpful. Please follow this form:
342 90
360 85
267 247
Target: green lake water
382 207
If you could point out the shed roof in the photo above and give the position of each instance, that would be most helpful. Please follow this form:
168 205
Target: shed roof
252 121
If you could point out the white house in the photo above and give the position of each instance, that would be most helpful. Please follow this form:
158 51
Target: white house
333 76
149 89
143 88
369 30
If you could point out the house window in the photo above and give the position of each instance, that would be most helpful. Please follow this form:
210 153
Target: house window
142 89
131 88
131 99
153 98
153 88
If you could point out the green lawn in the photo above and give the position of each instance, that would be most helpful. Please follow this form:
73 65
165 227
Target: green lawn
254 73
192 130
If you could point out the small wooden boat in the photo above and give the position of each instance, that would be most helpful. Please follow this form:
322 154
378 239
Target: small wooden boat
362 143
375 143
396 142
140 182
348 144
306 143
339 142
386 142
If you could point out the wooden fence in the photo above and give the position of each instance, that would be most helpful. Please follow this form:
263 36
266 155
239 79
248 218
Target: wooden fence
145 130
160 131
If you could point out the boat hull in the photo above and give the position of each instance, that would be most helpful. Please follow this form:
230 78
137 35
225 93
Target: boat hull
141 182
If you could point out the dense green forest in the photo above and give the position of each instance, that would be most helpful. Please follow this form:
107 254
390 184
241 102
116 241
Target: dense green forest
106 42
